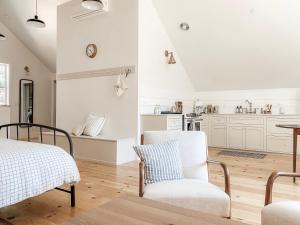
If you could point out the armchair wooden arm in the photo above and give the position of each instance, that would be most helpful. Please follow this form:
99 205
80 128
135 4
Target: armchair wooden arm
271 180
226 175
141 179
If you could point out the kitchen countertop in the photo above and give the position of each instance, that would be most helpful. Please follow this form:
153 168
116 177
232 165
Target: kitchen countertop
149 114
244 114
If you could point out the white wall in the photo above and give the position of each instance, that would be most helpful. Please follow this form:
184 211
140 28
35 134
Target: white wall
159 83
116 35
236 45
14 53
4 118
288 98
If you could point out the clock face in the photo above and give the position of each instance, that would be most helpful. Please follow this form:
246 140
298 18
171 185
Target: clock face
91 50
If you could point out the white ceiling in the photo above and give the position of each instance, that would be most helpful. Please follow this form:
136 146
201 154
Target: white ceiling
42 42
234 44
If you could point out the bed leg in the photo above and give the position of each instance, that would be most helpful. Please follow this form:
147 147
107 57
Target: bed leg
72 196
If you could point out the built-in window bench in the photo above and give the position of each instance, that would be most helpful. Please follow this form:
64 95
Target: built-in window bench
102 149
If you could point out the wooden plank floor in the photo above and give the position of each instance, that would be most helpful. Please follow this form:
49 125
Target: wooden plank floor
101 183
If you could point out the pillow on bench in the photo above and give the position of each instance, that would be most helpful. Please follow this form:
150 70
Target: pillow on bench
93 125
162 161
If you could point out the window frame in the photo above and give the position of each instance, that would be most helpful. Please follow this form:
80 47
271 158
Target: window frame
7 82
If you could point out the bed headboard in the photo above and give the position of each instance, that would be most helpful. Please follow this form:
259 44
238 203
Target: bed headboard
41 128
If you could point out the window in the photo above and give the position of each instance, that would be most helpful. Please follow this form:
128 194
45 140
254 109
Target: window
4 84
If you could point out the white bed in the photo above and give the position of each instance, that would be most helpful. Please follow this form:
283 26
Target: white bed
30 169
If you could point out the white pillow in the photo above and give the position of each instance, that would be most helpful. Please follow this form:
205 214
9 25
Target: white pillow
93 125
78 130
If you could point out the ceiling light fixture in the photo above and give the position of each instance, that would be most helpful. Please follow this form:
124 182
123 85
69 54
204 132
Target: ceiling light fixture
92 4
2 37
36 22
184 26
170 57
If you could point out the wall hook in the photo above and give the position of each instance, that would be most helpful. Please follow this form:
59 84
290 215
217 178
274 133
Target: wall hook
128 72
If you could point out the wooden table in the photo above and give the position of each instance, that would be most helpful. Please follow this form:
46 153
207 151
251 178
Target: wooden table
131 210
296 132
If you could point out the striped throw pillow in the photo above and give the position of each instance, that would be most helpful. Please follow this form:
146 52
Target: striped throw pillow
162 161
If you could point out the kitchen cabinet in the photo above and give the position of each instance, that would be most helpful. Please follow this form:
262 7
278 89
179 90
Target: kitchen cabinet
280 140
246 132
236 137
247 138
218 136
251 132
254 138
161 122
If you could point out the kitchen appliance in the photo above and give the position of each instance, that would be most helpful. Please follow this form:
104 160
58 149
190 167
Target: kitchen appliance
192 122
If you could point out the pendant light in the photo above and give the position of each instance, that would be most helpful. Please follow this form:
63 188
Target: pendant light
92 4
2 37
36 22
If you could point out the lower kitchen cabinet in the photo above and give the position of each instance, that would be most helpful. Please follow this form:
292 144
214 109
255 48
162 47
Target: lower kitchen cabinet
281 144
236 137
248 138
161 122
254 138
218 136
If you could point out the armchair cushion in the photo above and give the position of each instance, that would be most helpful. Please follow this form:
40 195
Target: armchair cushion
192 194
281 213
162 161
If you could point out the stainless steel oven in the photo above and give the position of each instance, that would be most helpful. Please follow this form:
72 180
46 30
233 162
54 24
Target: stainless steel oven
192 123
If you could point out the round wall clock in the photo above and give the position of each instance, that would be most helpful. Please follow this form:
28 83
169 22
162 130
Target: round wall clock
91 50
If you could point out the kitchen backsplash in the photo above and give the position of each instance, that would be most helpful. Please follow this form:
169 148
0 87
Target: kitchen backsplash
288 99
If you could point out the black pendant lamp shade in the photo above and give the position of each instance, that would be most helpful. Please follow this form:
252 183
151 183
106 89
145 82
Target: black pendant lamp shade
2 37
36 22
92 4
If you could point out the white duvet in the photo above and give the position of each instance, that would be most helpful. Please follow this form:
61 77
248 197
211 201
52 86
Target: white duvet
30 169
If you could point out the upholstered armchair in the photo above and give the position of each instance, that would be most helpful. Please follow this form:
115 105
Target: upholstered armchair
194 191
280 213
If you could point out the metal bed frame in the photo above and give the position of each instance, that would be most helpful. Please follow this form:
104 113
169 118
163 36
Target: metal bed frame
28 126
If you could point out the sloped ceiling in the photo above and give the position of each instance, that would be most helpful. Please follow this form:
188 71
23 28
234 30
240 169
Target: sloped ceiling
234 44
42 42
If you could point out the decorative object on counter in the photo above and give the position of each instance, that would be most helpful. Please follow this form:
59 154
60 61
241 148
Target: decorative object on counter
281 110
170 57
178 106
239 109
173 109
267 109
198 107
157 110
216 109
209 108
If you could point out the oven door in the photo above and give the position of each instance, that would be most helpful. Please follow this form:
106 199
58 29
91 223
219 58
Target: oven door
189 125
197 125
